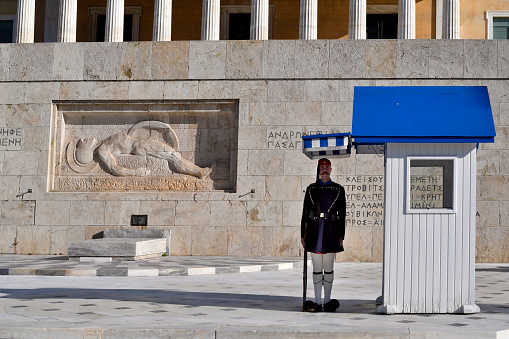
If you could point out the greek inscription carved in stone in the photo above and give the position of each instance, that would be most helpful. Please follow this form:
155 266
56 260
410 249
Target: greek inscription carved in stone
364 200
284 139
426 187
11 138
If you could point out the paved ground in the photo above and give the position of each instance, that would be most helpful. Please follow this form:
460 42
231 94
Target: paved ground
213 302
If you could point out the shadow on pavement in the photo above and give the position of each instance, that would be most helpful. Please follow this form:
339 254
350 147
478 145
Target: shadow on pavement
185 298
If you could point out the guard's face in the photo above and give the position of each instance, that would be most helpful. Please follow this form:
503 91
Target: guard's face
325 171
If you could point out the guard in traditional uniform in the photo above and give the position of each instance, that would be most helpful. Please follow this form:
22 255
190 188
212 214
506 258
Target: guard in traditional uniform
322 233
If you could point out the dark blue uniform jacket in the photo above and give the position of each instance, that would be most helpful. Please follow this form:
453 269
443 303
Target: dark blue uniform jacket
323 217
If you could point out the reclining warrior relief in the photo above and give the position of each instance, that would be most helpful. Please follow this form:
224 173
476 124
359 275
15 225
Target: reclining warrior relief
81 159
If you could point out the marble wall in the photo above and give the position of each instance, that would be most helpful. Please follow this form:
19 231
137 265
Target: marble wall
279 91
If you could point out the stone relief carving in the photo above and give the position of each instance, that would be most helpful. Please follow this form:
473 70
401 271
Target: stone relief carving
156 145
81 158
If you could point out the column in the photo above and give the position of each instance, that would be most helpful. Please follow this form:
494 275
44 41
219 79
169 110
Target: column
114 21
406 19
26 21
210 20
308 19
259 19
451 19
357 20
162 20
67 20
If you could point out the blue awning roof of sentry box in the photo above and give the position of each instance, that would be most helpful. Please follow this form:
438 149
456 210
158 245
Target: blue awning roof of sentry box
415 114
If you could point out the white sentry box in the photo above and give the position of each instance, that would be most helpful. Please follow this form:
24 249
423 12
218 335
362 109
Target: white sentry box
429 136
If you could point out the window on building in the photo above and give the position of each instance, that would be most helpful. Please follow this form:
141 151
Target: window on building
236 22
430 185
501 28
381 26
7 28
240 26
97 17
497 24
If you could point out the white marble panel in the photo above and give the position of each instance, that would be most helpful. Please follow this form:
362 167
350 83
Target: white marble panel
264 213
268 162
87 213
160 213
250 91
446 59
16 212
180 90
31 62
12 93
279 187
61 236
209 240
53 213
207 60
481 58
132 63
347 59
312 58
192 213
503 58
101 61
170 60
278 59
412 59
228 213
17 162
8 238
267 113
244 59
69 61
42 92
287 90
381 59
145 90
35 240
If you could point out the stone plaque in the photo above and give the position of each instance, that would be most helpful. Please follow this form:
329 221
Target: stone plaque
140 146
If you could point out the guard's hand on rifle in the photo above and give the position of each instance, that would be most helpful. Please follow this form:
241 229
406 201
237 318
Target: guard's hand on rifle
303 242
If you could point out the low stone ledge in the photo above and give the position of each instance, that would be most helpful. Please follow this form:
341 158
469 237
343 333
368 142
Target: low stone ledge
118 248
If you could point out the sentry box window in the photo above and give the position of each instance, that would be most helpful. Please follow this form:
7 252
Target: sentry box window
430 185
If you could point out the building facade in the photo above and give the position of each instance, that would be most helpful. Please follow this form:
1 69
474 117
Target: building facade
147 20
239 108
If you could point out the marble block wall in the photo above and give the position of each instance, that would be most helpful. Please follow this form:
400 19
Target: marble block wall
281 90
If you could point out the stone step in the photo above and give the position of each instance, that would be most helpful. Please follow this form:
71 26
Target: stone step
117 248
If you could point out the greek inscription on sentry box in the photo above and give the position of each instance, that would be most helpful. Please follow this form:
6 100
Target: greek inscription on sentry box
284 139
364 200
11 138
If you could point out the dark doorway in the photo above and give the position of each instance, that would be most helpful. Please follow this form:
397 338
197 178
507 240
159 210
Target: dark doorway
382 26
101 27
240 24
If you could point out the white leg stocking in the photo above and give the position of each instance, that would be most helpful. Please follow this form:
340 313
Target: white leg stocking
317 283
318 267
328 276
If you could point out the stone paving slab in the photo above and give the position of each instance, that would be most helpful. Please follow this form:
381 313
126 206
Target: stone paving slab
161 266
265 304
